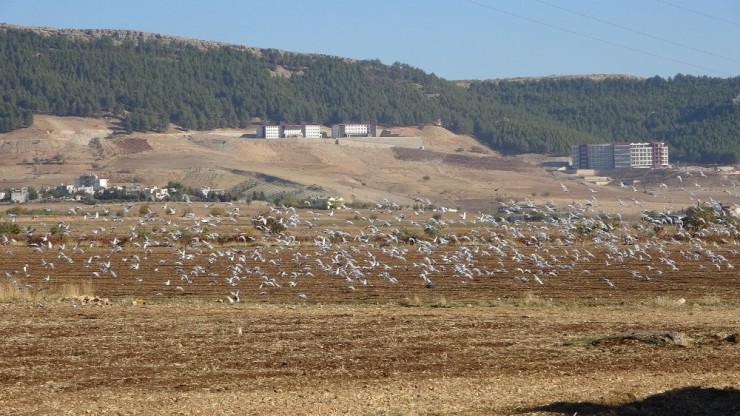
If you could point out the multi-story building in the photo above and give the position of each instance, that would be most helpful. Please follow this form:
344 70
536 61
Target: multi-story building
275 131
291 130
600 156
593 156
619 155
641 155
353 130
660 155
622 155
268 131
312 131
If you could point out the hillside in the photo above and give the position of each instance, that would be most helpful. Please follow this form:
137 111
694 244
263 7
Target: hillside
451 170
150 81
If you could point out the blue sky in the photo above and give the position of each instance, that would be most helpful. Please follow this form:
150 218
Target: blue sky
455 39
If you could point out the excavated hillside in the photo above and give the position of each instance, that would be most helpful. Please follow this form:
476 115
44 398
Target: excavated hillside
447 169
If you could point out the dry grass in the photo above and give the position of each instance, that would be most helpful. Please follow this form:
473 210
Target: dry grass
13 292
10 292
667 302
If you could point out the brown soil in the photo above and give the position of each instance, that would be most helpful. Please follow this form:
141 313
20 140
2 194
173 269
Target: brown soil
658 340
358 359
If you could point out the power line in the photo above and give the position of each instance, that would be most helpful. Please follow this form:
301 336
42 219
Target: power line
700 13
587 36
638 32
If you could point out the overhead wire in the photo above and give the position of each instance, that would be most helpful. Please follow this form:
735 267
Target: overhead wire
587 36
639 32
700 13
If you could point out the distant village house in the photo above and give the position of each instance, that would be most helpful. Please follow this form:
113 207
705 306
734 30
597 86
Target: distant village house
19 196
155 194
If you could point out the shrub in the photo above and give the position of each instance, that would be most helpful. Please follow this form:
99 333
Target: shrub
477 149
16 210
700 217
408 236
57 230
268 224
10 228
144 209
217 212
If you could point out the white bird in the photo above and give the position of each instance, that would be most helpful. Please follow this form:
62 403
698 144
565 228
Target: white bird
564 188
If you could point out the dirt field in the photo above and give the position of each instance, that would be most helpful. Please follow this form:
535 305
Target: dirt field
362 359
364 313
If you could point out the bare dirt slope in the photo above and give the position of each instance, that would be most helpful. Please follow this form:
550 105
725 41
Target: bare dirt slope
450 170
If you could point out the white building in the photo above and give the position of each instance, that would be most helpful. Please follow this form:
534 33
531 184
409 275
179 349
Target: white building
312 131
290 130
19 196
353 130
268 131
641 155
209 192
89 181
155 194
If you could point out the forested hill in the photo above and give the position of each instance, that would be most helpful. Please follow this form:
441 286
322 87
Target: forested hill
149 81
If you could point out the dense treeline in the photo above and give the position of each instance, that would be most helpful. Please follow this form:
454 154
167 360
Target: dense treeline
151 81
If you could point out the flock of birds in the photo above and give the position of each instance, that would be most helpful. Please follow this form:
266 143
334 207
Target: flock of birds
172 255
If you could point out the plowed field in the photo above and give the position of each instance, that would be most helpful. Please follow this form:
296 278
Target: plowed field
366 313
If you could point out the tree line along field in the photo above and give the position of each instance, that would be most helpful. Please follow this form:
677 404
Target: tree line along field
237 309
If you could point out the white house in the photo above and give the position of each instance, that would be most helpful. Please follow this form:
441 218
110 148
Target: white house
155 194
88 181
19 196
206 192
